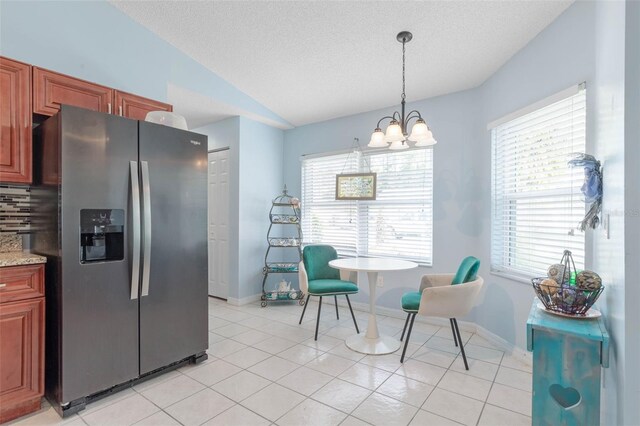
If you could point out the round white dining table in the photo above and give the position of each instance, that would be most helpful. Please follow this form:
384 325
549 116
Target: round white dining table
372 342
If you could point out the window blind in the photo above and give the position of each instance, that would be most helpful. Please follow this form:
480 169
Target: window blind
397 224
324 219
536 202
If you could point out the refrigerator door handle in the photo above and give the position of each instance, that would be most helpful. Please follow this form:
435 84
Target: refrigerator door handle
135 207
146 200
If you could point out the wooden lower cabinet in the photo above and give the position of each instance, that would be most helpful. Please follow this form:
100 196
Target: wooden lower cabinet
136 107
21 357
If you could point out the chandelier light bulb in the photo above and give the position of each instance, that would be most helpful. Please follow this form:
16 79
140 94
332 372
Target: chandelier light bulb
394 132
398 145
377 139
419 131
426 141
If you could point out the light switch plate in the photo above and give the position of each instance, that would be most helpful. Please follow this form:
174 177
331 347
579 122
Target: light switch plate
606 221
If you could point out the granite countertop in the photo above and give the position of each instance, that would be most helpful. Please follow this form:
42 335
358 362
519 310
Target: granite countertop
16 258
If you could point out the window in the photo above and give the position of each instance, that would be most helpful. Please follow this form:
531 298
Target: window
397 224
536 204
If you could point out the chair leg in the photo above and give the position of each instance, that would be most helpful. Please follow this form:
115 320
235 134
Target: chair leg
464 356
453 330
304 309
335 298
405 327
318 320
352 316
406 342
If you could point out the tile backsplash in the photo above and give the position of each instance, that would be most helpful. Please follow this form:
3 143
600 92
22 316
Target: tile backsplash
15 209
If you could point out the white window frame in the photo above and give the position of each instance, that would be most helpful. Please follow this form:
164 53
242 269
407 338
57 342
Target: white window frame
360 208
567 195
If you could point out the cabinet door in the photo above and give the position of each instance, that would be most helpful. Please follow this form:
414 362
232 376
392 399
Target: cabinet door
15 116
21 357
50 90
137 107
21 282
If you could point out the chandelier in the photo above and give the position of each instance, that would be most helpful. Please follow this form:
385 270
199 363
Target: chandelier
396 133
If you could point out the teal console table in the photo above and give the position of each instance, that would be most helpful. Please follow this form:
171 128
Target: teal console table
567 357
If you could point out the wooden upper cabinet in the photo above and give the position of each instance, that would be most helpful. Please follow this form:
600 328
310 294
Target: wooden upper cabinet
15 118
137 107
51 89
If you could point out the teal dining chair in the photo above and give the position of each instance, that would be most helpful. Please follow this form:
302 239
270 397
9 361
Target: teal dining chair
319 279
446 296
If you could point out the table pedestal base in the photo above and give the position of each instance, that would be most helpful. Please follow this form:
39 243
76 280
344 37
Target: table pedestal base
380 346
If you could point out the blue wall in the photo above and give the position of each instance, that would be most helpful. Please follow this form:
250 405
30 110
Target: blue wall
456 208
255 164
95 41
260 182
560 56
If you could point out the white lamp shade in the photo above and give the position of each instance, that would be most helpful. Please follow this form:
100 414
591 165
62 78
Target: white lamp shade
377 140
419 131
426 141
394 133
398 145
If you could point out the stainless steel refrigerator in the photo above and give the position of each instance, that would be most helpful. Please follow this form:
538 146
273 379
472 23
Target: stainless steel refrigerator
120 211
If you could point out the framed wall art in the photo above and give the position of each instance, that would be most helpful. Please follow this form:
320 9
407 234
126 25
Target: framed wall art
356 186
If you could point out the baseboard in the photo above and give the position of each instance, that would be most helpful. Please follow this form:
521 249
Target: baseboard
244 301
508 347
469 326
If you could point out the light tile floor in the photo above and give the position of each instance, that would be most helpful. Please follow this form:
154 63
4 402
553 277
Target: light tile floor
264 369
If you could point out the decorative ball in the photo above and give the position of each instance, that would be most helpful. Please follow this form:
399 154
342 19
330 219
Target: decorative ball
556 271
581 299
588 280
556 299
549 286
568 297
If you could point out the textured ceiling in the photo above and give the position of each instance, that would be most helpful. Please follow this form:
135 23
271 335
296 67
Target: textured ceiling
313 61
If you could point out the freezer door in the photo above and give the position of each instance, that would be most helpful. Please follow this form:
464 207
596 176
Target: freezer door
98 320
173 296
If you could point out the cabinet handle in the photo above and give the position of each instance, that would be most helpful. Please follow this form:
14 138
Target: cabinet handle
120 110
109 107
3 285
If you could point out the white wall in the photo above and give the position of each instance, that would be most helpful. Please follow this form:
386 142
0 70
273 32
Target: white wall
632 216
608 92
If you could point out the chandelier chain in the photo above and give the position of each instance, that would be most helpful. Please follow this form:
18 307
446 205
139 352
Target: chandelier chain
403 82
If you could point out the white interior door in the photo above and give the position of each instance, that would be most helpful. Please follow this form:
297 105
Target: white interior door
219 223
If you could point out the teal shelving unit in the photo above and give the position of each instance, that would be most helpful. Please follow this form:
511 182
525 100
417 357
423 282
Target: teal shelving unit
568 354
284 235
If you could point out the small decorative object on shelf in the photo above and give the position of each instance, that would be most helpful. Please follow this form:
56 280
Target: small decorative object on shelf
566 292
591 188
285 214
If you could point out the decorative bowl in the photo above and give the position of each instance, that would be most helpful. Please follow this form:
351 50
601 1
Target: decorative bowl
565 299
